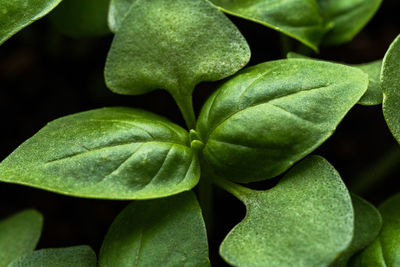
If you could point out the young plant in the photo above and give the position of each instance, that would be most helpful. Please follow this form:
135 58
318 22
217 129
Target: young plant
259 123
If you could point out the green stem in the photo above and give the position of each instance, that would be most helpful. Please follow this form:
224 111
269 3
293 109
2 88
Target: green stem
375 174
286 44
185 105
237 190
205 193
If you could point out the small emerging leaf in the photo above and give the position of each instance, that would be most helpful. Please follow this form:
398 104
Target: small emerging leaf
113 153
17 14
299 19
79 256
390 80
19 235
348 17
173 45
373 95
306 220
81 18
263 120
367 224
385 251
162 232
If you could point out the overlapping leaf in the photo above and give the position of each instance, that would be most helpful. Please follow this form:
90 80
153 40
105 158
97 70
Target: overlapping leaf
348 17
81 18
162 232
117 11
115 153
173 45
17 14
299 19
390 79
306 220
19 235
79 256
260 122
385 251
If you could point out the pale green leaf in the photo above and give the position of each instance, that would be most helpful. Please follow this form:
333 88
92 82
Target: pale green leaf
81 18
162 232
299 19
19 235
173 45
112 153
306 220
385 251
17 14
263 120
118 10
367 224
348 17
390 81
78 256
373 95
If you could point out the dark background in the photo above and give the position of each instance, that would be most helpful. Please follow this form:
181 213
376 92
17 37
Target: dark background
45 75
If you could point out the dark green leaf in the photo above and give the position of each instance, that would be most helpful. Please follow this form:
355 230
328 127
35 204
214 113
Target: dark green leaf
263 120
367 224
19 235
373 96
299 19
390 80
118 10
173 45
162 232
17 14
81 18
385 251
79 256
113 153
348 17
306 220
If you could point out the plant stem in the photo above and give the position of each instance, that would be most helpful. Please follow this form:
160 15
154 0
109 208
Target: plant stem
205 193
185 105
374 175
286 45
237 190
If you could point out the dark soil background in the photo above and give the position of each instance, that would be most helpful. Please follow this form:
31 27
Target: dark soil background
45 75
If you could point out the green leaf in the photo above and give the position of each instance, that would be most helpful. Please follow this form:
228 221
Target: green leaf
19 235
390 81
306 220
304 22
81 18
373 95
164 45
162 232
111 153
385 251
263 120
348 17
117 12
367 224
17 14
78 256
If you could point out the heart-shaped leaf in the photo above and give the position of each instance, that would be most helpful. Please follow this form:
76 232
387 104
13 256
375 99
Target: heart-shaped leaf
263 120
117 12
390 80
19 235
373 95
162 232
78 256
113 153
367 224
385 251
173 45
81 18
348 17
17 14
303 23
306 220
